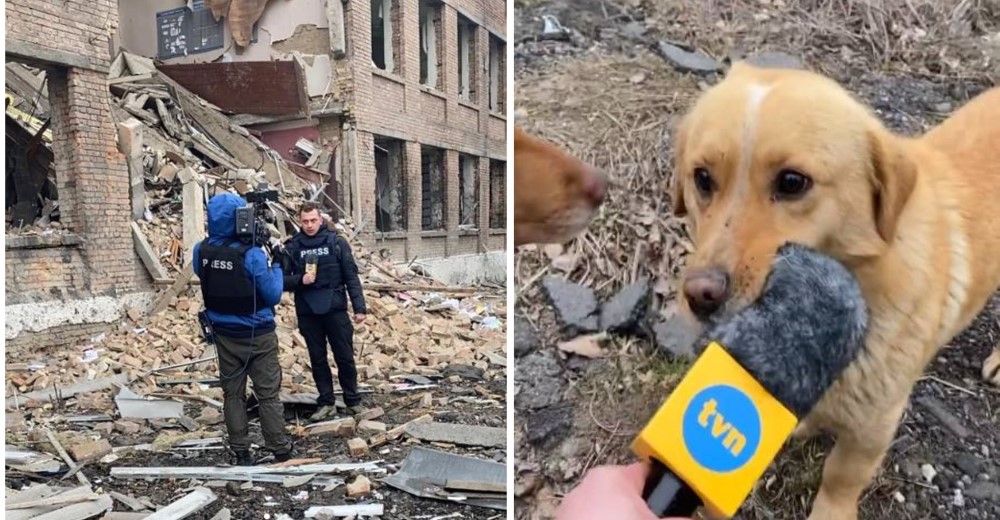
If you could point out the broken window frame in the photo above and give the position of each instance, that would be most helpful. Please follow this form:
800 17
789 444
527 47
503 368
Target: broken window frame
497 74
498 194
397 222
428 203
386 11
431 11
467 68
468 217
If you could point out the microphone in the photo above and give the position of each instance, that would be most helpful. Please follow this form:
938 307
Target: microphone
759 372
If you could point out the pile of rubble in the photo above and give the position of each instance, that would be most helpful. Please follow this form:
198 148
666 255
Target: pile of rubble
431 359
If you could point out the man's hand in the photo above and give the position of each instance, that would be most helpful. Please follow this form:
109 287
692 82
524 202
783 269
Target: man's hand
609 492
359 318
308 278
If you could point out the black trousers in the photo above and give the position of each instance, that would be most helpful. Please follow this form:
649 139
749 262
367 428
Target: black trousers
257 358
336 327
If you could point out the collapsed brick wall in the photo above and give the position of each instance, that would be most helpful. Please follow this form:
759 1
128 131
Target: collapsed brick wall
70 40
396 105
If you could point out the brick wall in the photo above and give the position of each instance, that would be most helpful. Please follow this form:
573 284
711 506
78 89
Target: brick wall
396 105
70 39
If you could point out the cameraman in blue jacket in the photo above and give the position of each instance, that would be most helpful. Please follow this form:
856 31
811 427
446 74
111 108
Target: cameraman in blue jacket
240 291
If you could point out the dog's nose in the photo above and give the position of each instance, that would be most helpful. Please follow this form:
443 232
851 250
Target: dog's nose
706 291
595 187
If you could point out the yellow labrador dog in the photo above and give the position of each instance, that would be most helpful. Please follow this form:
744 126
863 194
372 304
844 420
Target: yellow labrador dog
769 156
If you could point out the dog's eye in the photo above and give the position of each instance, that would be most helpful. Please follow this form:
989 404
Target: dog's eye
703 181
791 184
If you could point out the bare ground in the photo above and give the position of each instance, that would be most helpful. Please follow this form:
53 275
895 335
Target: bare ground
606 95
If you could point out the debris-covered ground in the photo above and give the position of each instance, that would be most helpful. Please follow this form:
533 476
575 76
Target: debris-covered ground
608 79
144 396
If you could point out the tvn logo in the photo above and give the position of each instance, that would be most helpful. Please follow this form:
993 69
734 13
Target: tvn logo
721 428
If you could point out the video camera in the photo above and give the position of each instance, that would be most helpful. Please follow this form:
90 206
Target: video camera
252 219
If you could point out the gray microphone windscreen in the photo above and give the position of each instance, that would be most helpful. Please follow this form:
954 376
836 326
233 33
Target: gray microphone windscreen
806 327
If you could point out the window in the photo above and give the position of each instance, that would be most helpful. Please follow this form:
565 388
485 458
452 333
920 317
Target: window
498 194
498 75
431 41
390 185
385 34
432 195
468 192
468 59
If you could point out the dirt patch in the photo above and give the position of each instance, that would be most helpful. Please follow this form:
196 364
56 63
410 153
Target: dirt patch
602 90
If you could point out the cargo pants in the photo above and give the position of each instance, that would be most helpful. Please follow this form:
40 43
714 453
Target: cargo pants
257 358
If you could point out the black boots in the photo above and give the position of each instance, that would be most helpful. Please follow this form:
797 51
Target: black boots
244 458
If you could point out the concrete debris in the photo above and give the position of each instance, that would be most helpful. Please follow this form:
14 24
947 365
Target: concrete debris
688 61
675 337
354 510
576 305
133 406
462 434
186 506
538 376
424 472
525 336
548 426
360 487
626 311
30 461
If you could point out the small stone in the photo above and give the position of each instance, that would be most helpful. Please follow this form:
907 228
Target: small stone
928 472
634 30
525 337
371 426
576 305
966 479
626 310
104 427
540 381
233 488
969 463
373 413
210 415
427 400
686 61
358 447
91 450
675 337
360 487
986 451
127 427
899 497
959 499
984 491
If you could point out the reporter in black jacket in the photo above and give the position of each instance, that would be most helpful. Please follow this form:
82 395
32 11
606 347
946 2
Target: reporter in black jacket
321 305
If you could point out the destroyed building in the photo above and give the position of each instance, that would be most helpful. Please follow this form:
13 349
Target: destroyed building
400 103
389 113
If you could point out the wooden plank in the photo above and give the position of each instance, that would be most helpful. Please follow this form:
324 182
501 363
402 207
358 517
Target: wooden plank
243 472
36 54
163 299
469 485
80 388
149 257
193 198
73 468
185 506
80 511
76 495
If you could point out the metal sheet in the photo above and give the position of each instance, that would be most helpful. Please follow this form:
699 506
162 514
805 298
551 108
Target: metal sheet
425 472
245 87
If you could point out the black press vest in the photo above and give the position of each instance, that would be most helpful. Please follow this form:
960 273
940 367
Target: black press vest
225 286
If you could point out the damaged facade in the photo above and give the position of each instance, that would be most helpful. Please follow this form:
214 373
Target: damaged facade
401 105
71 265
390 113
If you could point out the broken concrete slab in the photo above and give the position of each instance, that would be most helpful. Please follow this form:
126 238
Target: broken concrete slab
425 471
625 312
80 388
576 305
675 337
525 336
133 406
687 61
462 434
79 511
31 461
185 506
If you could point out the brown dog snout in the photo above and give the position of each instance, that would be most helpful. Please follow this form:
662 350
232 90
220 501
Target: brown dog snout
706 290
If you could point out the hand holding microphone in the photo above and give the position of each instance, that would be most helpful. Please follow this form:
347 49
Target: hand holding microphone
759 373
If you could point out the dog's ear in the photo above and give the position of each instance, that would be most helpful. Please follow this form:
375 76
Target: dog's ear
895 176
676 185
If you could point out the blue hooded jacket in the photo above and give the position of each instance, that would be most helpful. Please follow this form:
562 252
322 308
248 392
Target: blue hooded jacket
268 280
